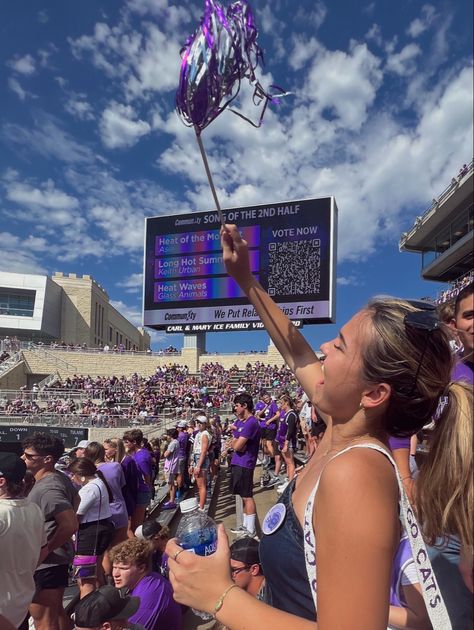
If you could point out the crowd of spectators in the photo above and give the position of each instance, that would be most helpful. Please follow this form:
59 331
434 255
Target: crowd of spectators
136 400
116 348
450 294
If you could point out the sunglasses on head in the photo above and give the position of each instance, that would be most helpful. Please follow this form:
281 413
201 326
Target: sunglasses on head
426 320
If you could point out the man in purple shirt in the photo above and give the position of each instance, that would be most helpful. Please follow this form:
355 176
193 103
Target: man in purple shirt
131 572
245 443
266 411
133 441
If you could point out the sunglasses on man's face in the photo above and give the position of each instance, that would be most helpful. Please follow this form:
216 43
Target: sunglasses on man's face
239 570
31 456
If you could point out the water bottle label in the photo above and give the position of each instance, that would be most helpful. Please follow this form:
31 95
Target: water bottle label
202 550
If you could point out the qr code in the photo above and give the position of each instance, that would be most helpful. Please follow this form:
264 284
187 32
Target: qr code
294 267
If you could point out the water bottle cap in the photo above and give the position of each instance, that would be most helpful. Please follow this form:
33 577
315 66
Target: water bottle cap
188 505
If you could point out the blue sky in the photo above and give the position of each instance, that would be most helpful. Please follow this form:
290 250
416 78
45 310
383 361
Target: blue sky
380 117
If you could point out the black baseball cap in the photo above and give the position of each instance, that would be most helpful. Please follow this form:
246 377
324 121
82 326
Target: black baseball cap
150 528
245 550
12 467
105 604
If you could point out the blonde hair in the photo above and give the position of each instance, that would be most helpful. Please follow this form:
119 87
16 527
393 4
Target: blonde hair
445 487
415 363
134 551
118 444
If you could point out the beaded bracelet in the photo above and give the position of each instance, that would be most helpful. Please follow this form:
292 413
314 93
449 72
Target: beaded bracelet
220 601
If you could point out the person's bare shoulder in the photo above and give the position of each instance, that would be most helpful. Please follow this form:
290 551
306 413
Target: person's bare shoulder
359 492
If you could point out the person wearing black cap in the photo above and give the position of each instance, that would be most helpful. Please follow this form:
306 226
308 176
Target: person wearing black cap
245 567
106 609
22 534
245 570
158 535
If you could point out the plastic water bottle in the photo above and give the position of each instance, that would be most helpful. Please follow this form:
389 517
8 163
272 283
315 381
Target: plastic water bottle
197 532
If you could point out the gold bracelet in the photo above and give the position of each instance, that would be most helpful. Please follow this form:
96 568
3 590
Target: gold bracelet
220 601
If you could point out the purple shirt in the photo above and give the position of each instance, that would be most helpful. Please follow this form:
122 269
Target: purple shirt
158 610
132 480
144 461
463 371
249 429
270 410
398 442
113 473
183 438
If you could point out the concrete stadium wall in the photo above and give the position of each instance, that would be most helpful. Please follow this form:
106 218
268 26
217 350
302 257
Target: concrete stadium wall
15 378
99 435
108 364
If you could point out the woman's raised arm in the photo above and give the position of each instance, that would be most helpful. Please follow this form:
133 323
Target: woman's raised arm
297 353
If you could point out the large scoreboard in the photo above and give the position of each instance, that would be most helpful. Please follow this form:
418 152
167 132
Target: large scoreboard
292 248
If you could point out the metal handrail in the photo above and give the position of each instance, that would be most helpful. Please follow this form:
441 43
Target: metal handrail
11 362
49 379
84 421
455 181
51 357
101 351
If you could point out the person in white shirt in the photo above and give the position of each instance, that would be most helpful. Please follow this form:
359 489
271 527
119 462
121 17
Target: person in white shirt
95 526
200 460
22 536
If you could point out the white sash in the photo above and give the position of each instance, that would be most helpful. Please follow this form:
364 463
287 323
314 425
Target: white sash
429 586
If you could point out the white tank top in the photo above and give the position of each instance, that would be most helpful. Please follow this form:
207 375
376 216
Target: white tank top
429 586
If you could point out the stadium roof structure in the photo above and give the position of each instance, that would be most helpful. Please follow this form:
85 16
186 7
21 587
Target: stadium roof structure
444 233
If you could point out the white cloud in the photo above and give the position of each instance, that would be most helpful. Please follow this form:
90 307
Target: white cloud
403 63
45 53
46 197
421 24
17 257
43 16
48 139
155 65
175 16
303 51
345 83
145 61
314 17
369 8
132 283
23 65
78 106
375 34
15 86
119 127
347 281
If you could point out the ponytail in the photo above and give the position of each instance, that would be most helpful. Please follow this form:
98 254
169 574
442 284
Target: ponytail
445 488
86 467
